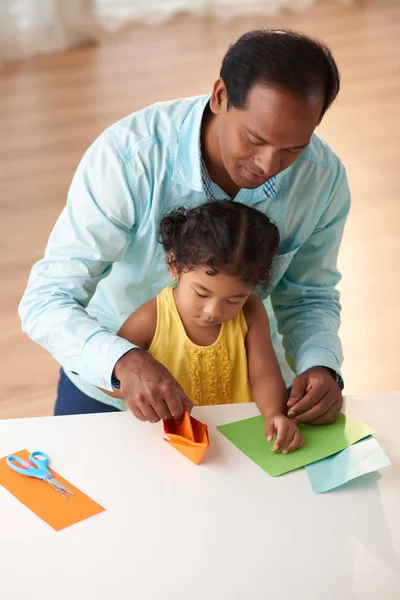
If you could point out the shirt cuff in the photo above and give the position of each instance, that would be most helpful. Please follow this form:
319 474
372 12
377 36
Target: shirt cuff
99 356
317 357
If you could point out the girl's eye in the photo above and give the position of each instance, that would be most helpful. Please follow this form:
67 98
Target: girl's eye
199 295
231 302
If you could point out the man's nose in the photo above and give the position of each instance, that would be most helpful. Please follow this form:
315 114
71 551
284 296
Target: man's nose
268 161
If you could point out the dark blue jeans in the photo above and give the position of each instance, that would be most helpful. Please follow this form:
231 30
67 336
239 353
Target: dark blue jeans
71 401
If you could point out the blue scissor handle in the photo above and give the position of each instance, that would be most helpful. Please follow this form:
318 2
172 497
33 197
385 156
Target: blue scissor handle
39 459
39 471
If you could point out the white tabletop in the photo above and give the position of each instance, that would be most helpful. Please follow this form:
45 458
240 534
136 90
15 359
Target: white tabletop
224 530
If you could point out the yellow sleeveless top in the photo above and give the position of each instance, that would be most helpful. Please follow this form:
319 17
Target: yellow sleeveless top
215 374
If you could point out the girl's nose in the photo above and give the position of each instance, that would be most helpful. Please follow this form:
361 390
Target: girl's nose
212 312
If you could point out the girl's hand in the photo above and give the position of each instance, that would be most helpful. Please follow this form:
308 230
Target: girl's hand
288 436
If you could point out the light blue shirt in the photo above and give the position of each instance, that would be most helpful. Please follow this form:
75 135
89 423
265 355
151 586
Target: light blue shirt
103 259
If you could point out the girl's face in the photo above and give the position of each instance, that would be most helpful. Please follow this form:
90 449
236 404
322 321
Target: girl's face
209 300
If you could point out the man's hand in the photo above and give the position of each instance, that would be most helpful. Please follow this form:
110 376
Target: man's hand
288 436
315 398
148 389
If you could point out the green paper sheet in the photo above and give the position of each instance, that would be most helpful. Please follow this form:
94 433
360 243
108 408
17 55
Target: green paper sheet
320 441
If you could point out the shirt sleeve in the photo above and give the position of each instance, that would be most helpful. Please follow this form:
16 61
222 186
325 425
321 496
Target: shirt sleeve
88 237
305 300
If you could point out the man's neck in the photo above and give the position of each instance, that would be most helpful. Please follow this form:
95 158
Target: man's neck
212 156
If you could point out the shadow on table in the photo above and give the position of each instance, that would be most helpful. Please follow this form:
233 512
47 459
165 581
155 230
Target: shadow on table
374 534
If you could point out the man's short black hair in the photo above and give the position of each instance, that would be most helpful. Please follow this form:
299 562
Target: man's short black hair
279 58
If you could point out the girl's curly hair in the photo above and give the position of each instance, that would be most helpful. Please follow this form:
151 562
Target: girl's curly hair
226 236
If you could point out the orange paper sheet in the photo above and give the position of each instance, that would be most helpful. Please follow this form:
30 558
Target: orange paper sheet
44 501
189 437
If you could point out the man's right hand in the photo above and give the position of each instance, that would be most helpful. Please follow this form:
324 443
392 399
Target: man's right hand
148 389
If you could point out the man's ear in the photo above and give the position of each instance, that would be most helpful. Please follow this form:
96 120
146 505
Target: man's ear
219 97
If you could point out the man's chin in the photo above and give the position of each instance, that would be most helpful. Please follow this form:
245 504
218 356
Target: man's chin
250 186
245 184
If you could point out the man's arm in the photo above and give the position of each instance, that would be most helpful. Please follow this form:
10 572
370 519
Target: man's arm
89 236
305 300
139 329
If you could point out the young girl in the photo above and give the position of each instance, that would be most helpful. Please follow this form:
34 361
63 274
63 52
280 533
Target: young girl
208 329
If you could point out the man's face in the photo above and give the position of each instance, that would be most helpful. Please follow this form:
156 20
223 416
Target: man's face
266 136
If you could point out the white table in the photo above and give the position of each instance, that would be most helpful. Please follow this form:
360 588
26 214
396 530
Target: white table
224 530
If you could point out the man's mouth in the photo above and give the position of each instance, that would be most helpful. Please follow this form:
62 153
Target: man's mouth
256 176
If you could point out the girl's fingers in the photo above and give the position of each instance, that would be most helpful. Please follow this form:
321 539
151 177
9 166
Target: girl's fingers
295 444
280 436
270 430
288 440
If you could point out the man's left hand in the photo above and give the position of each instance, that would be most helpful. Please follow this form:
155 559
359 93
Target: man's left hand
315 397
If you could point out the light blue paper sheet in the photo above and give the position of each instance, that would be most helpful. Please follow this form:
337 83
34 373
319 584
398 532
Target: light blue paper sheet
363 457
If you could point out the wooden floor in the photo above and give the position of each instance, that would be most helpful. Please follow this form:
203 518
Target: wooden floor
51 109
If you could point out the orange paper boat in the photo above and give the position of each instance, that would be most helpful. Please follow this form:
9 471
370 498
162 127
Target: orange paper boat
189 437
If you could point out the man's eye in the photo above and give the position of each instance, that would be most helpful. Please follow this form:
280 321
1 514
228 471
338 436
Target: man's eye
254 142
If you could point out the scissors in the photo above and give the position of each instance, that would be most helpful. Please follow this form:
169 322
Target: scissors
37 467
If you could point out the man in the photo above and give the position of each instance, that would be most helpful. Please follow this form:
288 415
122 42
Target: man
251 141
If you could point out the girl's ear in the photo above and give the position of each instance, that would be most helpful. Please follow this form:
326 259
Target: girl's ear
172 267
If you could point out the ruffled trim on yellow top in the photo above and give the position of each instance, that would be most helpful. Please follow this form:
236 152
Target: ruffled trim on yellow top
195 376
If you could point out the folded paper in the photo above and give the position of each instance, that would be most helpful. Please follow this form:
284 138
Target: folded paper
189 437
359 459
44 501
320 441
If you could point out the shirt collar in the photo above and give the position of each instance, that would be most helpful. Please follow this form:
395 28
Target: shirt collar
190 169
187 168
269 188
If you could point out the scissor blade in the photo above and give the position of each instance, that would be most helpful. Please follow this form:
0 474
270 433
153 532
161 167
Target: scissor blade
56 488
61 487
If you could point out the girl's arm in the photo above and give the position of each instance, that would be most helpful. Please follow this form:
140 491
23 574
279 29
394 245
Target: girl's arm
267 384
139 329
